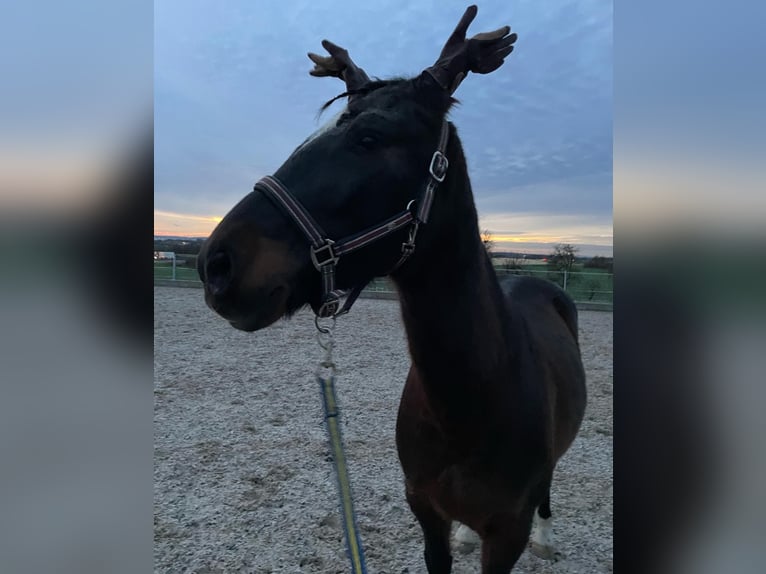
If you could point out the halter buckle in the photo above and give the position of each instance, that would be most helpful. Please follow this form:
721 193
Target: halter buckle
326 250
328 309
438 167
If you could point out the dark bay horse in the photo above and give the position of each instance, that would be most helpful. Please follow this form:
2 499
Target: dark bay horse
496 390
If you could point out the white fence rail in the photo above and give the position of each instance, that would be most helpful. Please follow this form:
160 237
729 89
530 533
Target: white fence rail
584 286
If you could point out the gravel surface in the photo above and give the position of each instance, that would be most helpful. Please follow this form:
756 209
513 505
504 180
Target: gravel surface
243 479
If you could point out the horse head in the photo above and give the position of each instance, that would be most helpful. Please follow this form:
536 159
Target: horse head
358 182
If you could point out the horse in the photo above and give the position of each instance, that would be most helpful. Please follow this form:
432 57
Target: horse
495 393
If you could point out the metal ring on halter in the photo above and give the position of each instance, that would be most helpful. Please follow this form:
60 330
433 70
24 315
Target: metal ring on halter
329 309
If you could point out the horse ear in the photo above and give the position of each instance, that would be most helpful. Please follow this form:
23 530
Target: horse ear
339 65
481 54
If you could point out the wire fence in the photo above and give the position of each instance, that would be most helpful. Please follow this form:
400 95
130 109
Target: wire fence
594 286
582 286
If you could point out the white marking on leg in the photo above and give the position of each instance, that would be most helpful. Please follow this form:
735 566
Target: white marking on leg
466 535
542 536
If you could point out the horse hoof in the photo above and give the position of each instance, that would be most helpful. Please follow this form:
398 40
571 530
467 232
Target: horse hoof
545 552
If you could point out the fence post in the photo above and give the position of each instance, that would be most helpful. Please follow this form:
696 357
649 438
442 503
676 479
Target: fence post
565 277
174 266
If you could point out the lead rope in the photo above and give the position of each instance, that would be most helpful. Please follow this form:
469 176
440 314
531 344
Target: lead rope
325 375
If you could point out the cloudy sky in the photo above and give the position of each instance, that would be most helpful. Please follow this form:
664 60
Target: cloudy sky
233 98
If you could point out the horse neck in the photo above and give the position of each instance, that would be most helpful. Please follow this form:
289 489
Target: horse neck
451 301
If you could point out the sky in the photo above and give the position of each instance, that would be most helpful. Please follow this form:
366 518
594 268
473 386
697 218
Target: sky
233 98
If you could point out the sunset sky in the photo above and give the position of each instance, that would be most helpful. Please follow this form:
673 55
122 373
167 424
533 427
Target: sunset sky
233 98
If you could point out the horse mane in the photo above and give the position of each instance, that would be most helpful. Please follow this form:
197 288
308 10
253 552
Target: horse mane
371 86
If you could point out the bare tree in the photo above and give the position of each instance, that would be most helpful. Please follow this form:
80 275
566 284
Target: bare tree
563 257
514 261
486 239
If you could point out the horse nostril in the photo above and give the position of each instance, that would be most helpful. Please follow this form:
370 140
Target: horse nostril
218 273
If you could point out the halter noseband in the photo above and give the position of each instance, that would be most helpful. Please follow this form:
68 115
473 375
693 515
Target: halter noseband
325 253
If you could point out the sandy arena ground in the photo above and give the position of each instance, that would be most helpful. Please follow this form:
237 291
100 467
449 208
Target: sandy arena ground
243 479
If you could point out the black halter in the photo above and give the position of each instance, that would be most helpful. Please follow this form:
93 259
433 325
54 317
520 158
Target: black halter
325 253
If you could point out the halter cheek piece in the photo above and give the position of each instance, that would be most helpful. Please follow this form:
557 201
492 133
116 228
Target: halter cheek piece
325 253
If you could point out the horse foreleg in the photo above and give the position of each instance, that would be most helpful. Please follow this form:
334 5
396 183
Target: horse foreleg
436 532
504 543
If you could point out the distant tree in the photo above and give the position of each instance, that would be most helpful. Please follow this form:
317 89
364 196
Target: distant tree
189 246
599 262
514 261
563 257
486 239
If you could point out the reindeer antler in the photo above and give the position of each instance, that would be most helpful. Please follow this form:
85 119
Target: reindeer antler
481 54
339 65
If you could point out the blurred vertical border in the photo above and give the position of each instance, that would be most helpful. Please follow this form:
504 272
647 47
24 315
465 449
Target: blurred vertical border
690 276
76 202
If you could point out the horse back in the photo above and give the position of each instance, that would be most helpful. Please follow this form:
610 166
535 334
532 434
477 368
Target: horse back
547 317
524 292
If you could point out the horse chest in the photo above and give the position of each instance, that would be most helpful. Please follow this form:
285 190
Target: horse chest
431 453
468 468
470 493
